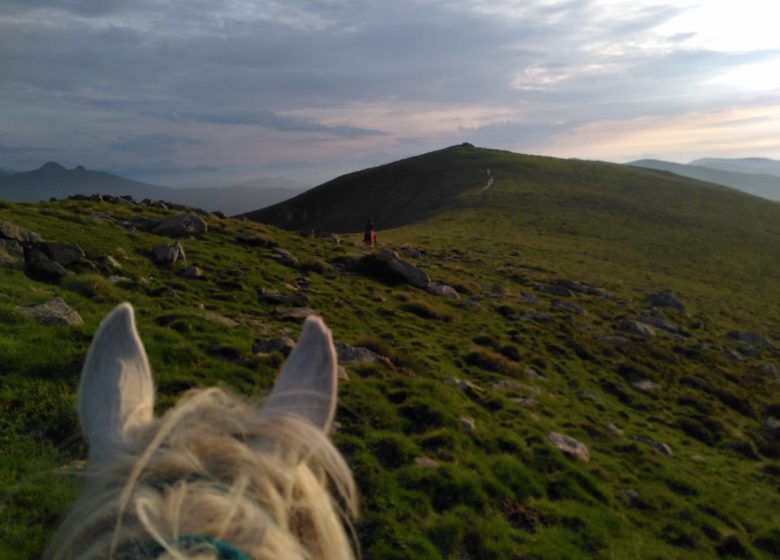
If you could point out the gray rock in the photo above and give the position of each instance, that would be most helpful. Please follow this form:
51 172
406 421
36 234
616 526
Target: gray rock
389 267
107 262
556 290
536 317
636 327
658 447
525 402
567 306
221 319
530 298
446 291
283 344
411 252
615 429
468 423
169 253
464 385
661 323
347 354
193 273
770 369
39 265
506 384
275 298
11 254
646 385
613 340
426 463
16 232
665 298
53 312
750 339
630 496
285 257
183 225
570 446
64 254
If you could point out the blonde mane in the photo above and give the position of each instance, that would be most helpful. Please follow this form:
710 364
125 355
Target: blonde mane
215 477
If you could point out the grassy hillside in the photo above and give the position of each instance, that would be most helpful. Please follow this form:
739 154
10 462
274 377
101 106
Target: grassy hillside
551 263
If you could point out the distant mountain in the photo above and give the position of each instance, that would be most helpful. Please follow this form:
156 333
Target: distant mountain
762 166
52 180
765 186
6 171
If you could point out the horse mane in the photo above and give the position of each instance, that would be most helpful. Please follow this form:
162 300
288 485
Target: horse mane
214 468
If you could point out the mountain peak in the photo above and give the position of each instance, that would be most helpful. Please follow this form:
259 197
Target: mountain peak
52 167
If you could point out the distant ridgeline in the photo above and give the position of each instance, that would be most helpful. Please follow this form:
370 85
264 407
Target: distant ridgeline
52 180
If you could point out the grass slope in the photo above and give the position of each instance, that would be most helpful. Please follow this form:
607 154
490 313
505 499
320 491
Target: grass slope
500 490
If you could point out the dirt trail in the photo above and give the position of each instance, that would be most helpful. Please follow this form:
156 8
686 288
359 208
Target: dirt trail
489 181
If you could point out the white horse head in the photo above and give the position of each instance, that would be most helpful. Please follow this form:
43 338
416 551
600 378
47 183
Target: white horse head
214 477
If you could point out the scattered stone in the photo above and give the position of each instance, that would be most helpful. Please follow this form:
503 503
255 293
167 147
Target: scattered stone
11 254
646 385
114 279
444 290
295 312
468 423
567 306
530 298
183 225
770 369
64 254
658 447
275 298
556 290
569 446
193 272
589 396
389 267
347 354
665 298
17 233
663 324
636 327
410 252
506 384
525 401
696 458
532 373
285 257
536 317
613 340
221 319
283 344
464 385
426 463
630 496
107 262
750 339
39 265
772 426
734 356
169 254
53 312
615 429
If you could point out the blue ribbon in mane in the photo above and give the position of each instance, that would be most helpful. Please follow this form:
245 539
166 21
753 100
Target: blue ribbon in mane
153 549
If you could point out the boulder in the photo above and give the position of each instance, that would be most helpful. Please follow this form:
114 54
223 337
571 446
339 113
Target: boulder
169 253
39 265
285 257
283 344
661 323
426 463
636 327
567 306
64 254
220 319
569 446
355 354
53 312
387 266
656 446
16 232
665 298
750 339
11 254
445 290
182 225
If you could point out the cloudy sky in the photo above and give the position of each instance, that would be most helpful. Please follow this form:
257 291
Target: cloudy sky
214 91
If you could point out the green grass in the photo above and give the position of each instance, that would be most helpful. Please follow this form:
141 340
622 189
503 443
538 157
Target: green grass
500 491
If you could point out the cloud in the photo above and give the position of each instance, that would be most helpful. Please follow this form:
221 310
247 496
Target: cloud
153 145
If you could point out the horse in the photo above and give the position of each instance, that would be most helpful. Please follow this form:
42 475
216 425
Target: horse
216 477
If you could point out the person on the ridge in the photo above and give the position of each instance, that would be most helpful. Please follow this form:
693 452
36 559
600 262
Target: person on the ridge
369 237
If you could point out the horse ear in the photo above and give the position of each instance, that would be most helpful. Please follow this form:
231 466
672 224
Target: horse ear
307 383
116 393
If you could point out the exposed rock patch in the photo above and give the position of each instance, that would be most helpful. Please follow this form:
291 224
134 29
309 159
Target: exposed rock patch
637 328
54 312
169 253
388 267
665 298
183 225
569 446
283 344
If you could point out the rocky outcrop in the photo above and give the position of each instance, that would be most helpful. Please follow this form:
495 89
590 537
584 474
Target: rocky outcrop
54 312
751 339
388 267
637 328
665 298
17 233
183 225
168 253
569 446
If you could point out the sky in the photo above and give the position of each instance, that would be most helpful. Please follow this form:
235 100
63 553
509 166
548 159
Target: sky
210 92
